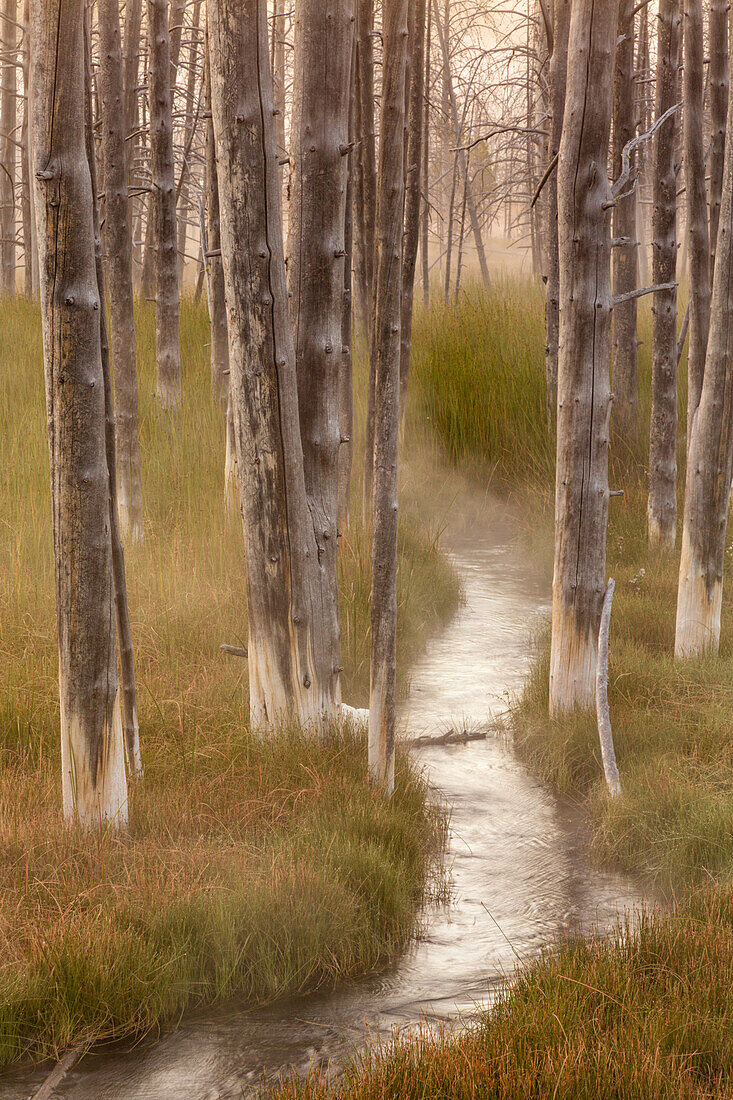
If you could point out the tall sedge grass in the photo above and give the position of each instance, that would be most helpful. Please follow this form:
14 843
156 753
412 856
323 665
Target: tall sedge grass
255 867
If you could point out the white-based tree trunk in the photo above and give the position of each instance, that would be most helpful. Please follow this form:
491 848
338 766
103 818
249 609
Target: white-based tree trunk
710 454
584 399
92 750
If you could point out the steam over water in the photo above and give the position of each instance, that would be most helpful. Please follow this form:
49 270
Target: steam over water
519 873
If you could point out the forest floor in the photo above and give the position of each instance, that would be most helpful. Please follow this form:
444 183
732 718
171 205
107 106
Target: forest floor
648 1011
254 867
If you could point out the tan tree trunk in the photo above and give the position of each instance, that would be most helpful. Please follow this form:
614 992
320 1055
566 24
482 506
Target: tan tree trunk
8 113
558 78
30 246
289 656
317 252
710 458
662 503
584 398
119 266
382 694
413 173
625 342
92 751
167 303
719 77
189 129
696 196
212 259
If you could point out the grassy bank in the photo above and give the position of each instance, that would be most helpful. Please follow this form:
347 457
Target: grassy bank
648 1012
254 867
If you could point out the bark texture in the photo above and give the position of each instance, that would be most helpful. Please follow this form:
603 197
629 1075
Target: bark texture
696 195
213 261
9 146
584 399
92 751
719 77
558 78
119 266
710 456
317 253
382 695
167 303
662 503
289 670
625 342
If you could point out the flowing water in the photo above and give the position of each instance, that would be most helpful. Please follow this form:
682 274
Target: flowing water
519 870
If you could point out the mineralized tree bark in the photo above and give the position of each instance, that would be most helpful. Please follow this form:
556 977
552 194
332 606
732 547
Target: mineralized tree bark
413 198
696 196
382 695
625 342
558 77
92 749
119 267
290 669
584 398
719 78
662 503
319 142
167 303
710 456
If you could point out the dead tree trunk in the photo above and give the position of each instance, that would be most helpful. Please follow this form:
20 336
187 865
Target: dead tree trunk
413 198
662 504
584 398
367 223
382 695
558 78
696 195
92 751
8 123
625 264
710 458
425 222
319 147
167 304
191 117
133 25
119 266
30 246
290 673
212 259
719 77
346 363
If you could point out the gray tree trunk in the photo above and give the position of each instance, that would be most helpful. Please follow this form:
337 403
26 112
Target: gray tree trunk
558 78
191 119
625 264
425 218
710 458
696 196
212 259
133 25
92 750
382 695
8 122
167 303
584 398
319 139
719 77
662 503
290 673
30 245
119 265
367 223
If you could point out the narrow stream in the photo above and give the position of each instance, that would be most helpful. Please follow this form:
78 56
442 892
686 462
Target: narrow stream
519 871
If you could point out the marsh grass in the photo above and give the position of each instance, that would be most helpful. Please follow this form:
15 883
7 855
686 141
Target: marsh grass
255 867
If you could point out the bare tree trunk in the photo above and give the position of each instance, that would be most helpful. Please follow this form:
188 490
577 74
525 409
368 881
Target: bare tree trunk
189 132
289 643
710 458
625 342
558 78
644 78
30 246
346 367
584 398
696 195
425 223
167 304
470 199
662 504
213 261
9 146
131 727
382 695
92 751
368 222
119 263
317 252
413 197
719 76
133 23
